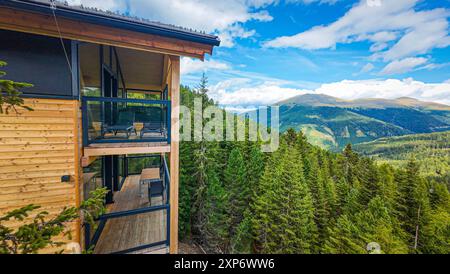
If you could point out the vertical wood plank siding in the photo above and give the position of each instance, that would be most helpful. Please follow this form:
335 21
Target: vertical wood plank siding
37 148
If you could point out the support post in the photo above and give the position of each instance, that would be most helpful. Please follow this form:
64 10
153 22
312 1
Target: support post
174 150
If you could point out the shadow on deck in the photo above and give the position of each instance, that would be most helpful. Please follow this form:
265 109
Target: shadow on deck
128 232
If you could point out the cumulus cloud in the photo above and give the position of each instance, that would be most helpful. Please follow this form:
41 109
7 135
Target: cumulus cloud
389 89
243 94
367 68
404 65
190 66
228 36
395 29
225 18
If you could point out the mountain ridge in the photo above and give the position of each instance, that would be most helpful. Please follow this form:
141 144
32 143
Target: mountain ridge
332 123
327 100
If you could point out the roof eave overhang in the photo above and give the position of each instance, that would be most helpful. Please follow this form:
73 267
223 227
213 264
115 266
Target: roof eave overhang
114 22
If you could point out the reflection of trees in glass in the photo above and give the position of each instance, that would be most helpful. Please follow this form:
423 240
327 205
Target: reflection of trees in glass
94 176
136 165
91 91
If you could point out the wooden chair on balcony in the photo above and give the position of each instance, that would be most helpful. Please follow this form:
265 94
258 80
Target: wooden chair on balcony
125 123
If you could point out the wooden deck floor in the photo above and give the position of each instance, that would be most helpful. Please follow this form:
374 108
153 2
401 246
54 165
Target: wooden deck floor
132 231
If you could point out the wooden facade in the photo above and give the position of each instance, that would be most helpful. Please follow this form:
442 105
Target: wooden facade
37 148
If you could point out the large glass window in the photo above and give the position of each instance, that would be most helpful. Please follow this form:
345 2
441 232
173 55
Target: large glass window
92 177
90 79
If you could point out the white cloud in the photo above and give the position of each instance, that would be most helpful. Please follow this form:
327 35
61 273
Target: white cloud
190 66
242 93
228 36
221 17
307 2
389 89
404 65
395 29
367 68
225 18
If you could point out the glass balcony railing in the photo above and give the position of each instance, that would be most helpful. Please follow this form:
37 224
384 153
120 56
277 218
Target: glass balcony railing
120 120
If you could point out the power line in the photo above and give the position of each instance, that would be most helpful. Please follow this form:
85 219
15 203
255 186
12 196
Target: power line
53 8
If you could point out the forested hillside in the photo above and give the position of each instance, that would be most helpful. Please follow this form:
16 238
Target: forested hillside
303 199
333 123
333 128
431 151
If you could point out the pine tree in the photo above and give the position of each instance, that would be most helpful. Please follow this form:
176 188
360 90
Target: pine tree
369 179
239 191
242 242
344 238
255 161
353 234
413 205
216 227
388 190
436 233
283 213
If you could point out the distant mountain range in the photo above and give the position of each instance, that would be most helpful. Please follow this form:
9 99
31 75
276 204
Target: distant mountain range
332 122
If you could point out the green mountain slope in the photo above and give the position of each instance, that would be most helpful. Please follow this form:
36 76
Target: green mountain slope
333 128
432 151
332 122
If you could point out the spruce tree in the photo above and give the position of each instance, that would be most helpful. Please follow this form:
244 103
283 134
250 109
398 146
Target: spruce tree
413 206
283 213
216 226
239 191
354 234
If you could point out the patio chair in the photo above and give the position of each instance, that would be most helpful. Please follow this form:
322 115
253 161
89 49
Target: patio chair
152 127
125 123
151 177
154 122
155 189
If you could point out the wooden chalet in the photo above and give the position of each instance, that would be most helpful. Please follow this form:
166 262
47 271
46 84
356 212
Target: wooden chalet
105 97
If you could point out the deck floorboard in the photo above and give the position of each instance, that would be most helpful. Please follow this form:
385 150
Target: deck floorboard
132 231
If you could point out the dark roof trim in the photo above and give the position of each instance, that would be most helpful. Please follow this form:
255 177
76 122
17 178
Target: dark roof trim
113 20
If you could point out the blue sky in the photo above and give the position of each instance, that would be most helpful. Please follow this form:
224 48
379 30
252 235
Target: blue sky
273 49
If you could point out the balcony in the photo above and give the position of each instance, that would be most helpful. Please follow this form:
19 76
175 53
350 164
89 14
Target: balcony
137 221
125 126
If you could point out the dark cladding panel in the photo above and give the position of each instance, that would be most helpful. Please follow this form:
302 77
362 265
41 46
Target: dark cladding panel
38 60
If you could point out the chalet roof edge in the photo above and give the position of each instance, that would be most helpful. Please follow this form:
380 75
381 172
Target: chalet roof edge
112 19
